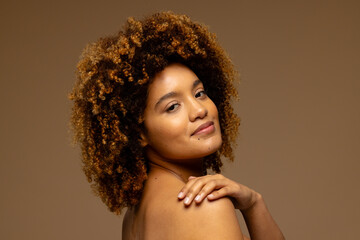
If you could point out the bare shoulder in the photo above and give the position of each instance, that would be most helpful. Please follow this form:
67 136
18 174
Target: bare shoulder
208 220
168 218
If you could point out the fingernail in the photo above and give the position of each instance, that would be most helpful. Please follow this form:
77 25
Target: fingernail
181 195
197 198
210 195
187 200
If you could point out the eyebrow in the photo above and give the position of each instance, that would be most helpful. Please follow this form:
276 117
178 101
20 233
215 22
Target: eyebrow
173 94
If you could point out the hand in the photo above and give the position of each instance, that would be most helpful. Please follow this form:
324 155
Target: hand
217 186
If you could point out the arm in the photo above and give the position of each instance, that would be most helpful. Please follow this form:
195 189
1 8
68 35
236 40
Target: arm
259 222
213 187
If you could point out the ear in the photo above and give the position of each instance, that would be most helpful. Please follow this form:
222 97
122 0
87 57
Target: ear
143 140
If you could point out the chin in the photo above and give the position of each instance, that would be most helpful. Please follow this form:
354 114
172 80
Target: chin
196 152
190 150
207 149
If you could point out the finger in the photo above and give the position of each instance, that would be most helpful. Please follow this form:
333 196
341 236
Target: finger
218 193
209 188
187 186
193 190
193 187
184 191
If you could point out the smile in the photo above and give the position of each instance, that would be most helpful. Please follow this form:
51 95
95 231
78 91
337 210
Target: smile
205 128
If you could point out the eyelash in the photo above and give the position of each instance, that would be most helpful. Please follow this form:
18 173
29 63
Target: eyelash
172 107
203 92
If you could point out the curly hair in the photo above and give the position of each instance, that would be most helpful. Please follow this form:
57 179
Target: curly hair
113 76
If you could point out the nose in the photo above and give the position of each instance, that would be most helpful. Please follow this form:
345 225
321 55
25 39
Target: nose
197 110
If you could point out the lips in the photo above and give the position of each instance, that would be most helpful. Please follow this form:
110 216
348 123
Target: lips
204 128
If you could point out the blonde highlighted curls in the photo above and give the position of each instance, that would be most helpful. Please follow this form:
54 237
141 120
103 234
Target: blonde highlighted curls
110 96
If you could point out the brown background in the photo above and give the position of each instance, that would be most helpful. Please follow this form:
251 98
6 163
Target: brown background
300 96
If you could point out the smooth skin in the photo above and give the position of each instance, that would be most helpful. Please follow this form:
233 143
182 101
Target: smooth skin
177 108
260 223
160 215
177 105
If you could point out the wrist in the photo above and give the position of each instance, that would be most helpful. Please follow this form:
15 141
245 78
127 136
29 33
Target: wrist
256 201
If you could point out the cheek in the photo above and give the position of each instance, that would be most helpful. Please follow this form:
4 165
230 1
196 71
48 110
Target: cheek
213 110
163 129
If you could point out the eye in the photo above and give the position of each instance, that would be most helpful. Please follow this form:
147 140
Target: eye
172 107
200 94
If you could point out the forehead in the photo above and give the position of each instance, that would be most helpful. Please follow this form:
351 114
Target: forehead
175 77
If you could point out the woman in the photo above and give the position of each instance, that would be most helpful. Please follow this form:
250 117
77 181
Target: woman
152 113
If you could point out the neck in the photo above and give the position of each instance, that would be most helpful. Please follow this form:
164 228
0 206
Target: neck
183 169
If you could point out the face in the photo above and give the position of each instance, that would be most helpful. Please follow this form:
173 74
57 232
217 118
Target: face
181 121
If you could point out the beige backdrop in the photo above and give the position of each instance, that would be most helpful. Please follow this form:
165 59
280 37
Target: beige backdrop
300 96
